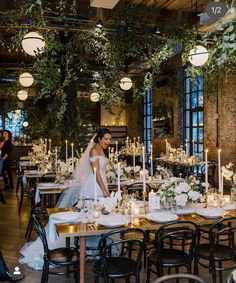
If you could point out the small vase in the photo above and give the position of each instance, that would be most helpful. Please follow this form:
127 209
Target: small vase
233 195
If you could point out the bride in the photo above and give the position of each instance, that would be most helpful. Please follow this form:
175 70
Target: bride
93 157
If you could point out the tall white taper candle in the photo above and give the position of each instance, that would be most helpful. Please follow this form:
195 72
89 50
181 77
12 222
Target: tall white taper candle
95 186
66 150
72 156
151 160
144 177
118 176
219 171
206 170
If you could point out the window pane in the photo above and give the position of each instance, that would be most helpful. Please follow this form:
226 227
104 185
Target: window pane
194 100
200 117
187 104
200 131
194 118
187 132
195 137
187 119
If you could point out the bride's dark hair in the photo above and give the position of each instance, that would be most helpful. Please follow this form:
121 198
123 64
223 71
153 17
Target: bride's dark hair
101 133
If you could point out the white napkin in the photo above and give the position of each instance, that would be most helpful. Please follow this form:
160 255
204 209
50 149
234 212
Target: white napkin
63 217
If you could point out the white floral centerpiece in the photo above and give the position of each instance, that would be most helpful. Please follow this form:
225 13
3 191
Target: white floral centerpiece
163 173
229 174
64 170
182 191
112 171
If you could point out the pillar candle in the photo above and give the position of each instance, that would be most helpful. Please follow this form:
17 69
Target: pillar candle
118 175
206 170
138 140
151 159
134 141
72 155
144 179
219 170
66 150
116 147
95 186
166 147
56 158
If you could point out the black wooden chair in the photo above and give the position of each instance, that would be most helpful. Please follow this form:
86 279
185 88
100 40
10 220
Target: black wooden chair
181 276
39 211
57 258
121 254
173 248
216 252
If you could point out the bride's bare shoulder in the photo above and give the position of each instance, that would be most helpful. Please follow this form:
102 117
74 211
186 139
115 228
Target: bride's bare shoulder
94 151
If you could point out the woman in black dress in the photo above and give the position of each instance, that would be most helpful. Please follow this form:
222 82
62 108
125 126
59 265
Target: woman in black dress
6 157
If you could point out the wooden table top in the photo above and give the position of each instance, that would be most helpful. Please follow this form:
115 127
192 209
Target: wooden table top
92 229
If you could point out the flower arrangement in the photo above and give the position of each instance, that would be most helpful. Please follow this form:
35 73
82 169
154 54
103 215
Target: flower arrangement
163 173
229 174
64 171
125 171
181 191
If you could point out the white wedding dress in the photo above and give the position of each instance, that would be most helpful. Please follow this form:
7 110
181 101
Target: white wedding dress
82 186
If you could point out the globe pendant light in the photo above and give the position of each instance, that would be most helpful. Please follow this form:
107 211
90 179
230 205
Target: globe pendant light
198 56
126 83
33 43
94 97
22 94
25 124
26 79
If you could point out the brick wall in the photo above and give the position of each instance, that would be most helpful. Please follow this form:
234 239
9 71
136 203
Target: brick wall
226 118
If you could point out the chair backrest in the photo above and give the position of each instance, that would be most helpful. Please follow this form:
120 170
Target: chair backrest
31 196
137 189
192 277
122 243
176 235
41 233
225 227
48 177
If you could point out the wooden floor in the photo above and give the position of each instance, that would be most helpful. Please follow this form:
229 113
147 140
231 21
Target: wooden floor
12 230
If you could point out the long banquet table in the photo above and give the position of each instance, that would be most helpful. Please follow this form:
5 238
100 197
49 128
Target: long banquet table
83 230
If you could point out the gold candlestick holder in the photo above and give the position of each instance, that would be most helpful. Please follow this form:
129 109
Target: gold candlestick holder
144 207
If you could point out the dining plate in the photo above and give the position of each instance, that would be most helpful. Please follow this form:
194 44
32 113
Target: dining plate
184 211
112 220
66 216
162 217
210 212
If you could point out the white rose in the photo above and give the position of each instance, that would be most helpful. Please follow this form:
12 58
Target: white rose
182 188
181 200
194 195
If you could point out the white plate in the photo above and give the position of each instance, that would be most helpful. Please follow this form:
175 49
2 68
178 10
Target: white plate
162 217
210 212
184 211
112 220
66 216
230 206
